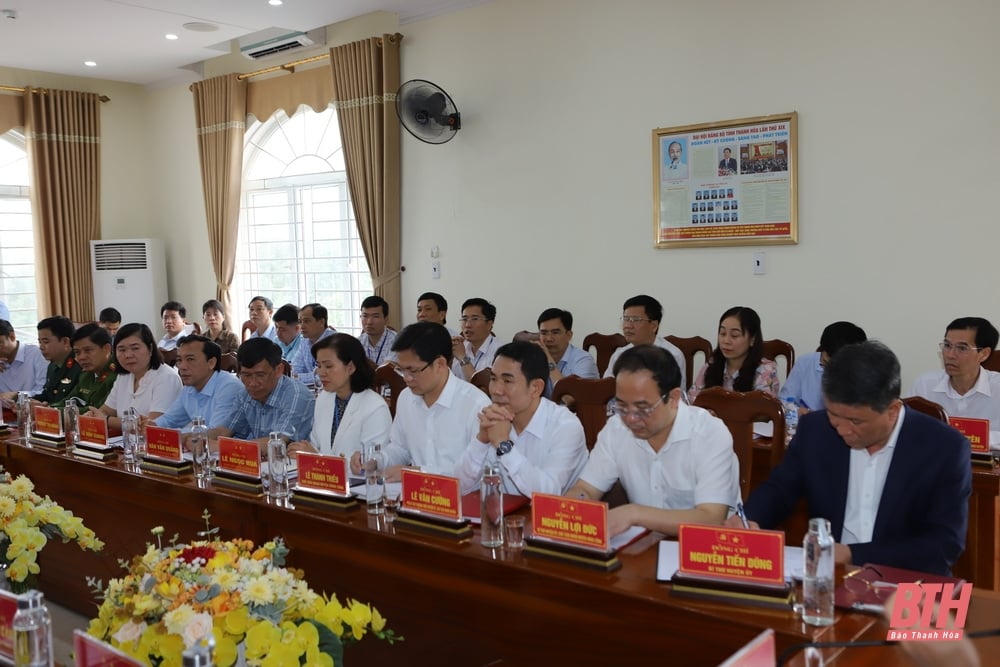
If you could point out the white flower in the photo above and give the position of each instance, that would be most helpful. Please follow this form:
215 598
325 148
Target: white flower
129 632
177 620
199 626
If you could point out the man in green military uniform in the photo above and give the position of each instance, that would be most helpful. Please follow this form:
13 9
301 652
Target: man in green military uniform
54 340
92 350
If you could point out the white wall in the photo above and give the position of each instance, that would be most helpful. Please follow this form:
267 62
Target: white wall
544 197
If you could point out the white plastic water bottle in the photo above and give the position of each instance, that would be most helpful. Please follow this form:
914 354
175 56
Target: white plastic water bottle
277 466
491 503
790 406
32 627
817 584
198 442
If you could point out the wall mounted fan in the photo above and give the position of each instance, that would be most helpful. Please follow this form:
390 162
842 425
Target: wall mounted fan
427 112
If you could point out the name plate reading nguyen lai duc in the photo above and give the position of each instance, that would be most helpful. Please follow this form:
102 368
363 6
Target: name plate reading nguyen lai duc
978 433
48 428
94 443
733 564
432 502
239 465
322 482
163 452
571 529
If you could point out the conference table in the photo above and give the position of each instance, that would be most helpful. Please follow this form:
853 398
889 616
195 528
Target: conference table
454 601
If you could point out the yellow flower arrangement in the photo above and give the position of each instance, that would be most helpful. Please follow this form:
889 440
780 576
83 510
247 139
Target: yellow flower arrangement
240 596
27 522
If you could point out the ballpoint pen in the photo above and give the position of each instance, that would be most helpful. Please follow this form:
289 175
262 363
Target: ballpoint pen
741 514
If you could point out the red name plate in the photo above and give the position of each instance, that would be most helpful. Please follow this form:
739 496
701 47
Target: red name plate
431 494
8 607
976 430
164 443
571 521
48 420
94 430
239 456
760 652
733 553
92 652
323 473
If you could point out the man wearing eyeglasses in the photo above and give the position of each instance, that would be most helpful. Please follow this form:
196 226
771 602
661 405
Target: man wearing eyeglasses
555 331
270 401
475 348
964 388
675 461
437 414
894 483
641 317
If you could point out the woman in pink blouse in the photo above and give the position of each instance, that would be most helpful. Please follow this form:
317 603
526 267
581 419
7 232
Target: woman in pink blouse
737 362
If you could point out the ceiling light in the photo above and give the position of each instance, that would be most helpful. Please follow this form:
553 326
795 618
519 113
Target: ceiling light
170 36
90 63
274 3
200 26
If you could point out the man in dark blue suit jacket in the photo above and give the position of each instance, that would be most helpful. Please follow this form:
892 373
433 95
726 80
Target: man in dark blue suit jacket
920 516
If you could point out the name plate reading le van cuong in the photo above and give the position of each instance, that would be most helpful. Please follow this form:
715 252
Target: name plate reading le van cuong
433 503
322 482
571 529
239 465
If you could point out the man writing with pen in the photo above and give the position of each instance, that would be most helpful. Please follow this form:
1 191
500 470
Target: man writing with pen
675 461
804 383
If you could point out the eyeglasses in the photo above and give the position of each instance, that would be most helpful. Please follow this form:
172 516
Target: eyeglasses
867 582
408 373
633 319
256 376
620 409
471 318
957 348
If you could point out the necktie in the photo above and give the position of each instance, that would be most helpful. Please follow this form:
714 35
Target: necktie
338 414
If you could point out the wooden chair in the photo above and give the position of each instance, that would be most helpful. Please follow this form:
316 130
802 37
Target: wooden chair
605 344
482 380
286 367
590 402
390 384
928 407
739 411
169 356
525 336
197 328
775 348
992 362
691 347
248 328
229 363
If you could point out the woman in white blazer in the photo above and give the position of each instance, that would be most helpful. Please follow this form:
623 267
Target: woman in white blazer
348 413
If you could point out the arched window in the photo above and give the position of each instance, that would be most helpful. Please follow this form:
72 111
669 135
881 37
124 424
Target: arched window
298 242
17 252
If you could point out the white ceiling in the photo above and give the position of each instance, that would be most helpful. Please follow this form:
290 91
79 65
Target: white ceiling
126 37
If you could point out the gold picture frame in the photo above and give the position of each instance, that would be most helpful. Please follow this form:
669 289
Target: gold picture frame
729 183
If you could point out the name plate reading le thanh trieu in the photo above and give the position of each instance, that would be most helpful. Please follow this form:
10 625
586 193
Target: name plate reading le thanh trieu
241 457
735 554
432 495
94 431
164 443
48 421
570 521
8 607
976 430
323 473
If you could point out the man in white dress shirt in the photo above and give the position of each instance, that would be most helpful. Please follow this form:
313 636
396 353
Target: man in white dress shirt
437 415
540 445
964 388
173 314
260 310
675 461
475 348
641 317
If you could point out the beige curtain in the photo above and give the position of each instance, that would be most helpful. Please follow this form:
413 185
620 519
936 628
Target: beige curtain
365 80
11 112
220 117
311 87
63 132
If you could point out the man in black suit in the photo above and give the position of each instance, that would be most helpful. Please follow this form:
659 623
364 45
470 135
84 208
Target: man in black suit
727 165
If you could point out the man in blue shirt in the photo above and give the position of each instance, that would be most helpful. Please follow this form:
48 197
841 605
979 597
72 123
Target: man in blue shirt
286 324
805 381
555 331
270 400
208 392
312 319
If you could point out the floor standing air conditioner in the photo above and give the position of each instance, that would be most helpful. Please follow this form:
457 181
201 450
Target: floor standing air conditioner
130 275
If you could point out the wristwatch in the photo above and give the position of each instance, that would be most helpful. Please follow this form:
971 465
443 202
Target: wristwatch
552 366
466 361
504 447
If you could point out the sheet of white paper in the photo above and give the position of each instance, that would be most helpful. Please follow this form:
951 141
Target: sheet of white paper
763 429
621 539
669 561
